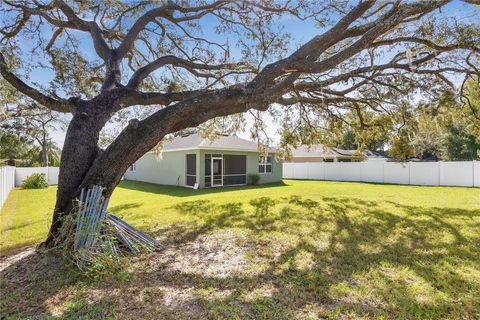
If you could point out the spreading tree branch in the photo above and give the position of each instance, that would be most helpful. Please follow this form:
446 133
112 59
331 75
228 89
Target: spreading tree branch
59 105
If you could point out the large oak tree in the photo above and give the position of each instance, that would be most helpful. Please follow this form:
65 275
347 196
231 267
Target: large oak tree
199 60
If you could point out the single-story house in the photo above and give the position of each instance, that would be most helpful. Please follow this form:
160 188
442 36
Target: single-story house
194 161
321 153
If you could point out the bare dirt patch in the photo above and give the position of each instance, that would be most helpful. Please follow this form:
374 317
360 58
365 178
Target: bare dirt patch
10 259
219 255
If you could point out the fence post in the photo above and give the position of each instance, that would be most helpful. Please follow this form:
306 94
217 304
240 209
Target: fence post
409 173
473 172
6 183
439 173
361 172
383 172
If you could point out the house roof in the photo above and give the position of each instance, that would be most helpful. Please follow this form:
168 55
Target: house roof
319 150
376 154
222 142
316 150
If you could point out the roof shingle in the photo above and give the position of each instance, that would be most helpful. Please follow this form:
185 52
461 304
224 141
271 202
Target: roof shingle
195 141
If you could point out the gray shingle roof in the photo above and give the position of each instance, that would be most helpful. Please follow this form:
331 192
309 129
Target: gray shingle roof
316 150
195 141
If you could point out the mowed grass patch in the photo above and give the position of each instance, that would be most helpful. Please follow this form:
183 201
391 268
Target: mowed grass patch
26 217
294 250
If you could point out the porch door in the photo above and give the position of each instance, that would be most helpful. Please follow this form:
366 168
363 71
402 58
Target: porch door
217 172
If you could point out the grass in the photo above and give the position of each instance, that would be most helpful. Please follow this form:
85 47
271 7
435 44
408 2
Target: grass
298 249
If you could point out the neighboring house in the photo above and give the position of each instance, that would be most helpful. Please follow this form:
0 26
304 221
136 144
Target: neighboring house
224 161
321 153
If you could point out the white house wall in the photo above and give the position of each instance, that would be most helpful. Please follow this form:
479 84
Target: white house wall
171 167
168 170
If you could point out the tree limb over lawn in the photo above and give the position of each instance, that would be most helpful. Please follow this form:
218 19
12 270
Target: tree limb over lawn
167 54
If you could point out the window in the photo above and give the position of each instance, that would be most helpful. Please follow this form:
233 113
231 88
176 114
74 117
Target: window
208 170
191 175
235 164
235 169
265 164
133 167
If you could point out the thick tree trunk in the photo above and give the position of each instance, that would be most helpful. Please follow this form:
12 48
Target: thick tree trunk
83 165
79 151
44 153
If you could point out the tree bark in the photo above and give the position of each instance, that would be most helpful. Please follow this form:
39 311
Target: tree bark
79 151
44 151
83 164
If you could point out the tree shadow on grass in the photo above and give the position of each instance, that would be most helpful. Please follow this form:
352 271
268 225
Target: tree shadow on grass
124 207
28 284
333 258
187 192
22 225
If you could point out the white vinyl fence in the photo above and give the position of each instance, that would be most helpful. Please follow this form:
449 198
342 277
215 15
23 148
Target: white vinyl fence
21 173
7 182
451 173
13 177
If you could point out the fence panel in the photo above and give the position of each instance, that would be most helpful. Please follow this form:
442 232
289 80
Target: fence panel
349 171
398 173
300 170
21 173
452 173
457 173
288 172
332 171
316 170
7 182
424 173
372 171
476 173
53 175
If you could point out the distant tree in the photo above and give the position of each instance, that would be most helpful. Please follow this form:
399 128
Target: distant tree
33 123
445 129
54 152
372 138
13 147
347 140
458 144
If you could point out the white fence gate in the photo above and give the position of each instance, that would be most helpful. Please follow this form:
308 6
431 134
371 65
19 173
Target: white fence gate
451 173
7 182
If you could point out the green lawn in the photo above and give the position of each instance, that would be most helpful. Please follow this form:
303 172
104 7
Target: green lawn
299 249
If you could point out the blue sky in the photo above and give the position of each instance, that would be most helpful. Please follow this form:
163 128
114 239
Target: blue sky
301 32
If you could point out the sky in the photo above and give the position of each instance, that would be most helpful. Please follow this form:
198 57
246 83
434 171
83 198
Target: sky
301 32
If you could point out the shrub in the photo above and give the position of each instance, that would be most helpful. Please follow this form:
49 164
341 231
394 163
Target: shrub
254 179
35 181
